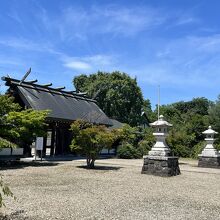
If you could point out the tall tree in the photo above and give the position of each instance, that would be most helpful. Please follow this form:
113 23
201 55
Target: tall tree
146 107
117 94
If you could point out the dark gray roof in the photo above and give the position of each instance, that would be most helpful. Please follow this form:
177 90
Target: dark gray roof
63 105
116 124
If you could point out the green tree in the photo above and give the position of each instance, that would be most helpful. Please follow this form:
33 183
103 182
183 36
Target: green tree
147 141
146 107
18 126
128 134
189 120
196 106
25 126
214 119
134 142
89 140
117 94
6 143
6 105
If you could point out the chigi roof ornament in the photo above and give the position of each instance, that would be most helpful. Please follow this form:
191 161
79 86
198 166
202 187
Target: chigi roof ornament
25 76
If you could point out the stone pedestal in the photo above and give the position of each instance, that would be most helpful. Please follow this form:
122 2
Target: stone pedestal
161 165
209 162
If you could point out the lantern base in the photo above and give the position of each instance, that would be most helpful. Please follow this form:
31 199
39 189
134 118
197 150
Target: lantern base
209 162
161 165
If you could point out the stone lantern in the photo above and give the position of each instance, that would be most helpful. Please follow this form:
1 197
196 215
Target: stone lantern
159 160
161 132
209 156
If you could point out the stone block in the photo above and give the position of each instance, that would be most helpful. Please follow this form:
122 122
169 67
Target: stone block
161 166
164 164
209 162
145 167
146 160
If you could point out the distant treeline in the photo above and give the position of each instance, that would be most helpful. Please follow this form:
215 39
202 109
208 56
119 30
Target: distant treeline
121 98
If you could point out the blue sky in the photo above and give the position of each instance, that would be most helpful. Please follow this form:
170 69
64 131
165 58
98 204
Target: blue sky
172 43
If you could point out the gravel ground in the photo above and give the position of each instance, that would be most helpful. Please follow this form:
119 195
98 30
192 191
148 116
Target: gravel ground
115 190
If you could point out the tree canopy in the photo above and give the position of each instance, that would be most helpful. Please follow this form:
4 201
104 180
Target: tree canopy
117 94
6 105
189 120
19 126
89 140
26 125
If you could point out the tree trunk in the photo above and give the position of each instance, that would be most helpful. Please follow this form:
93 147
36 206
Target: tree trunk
90 163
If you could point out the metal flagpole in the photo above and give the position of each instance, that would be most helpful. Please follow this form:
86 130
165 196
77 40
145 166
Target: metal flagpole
158 106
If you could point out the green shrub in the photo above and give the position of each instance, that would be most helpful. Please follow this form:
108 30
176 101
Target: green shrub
127 151
217 146
180 142
4 191
143 147
180 150
197 149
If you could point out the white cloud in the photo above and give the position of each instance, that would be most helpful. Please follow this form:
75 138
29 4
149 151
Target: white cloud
129 21
186 20
190 61
102 60
23 44
88 63
78 65
79 23
14 15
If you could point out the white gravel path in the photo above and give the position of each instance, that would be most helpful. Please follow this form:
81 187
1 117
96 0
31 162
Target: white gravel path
117 190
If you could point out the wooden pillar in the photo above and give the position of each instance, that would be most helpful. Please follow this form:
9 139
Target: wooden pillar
53 140
57 140
62 135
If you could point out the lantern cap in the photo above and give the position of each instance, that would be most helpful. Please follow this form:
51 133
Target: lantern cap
210 131
161 122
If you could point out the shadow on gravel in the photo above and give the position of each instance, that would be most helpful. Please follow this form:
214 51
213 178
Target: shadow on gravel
14 216
189 164
100 168
22 164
